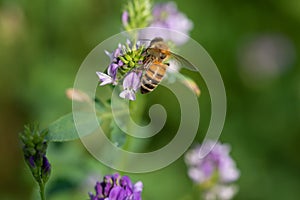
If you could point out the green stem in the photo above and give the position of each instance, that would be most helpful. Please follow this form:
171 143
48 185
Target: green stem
42 190
109 115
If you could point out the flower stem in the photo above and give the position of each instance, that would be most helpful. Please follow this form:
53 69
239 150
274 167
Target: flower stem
42 190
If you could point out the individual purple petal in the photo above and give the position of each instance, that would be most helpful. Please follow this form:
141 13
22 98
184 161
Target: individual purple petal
127 83
104 78
132 81
125 18
138 187
117 193
128 42
125 182
118 51
110 55
46 167
112 70
138 44
92 196
128 94
107 184
98 189
120 63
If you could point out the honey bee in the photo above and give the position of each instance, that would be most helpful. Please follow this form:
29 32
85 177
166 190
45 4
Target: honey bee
155 66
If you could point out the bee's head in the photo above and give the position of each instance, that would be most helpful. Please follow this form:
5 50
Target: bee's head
158 48
155 40
158 43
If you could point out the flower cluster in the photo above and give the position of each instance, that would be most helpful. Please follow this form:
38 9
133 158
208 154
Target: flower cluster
265 57
34 149
215 172
115 187
125 61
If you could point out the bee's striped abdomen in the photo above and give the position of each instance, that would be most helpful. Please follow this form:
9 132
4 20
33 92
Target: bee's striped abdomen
152 77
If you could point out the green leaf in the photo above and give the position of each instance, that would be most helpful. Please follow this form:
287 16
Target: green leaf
64 128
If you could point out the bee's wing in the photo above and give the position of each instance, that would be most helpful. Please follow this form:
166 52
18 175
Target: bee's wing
144 42
182 62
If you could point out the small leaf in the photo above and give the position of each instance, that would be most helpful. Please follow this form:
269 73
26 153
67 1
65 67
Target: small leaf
64 128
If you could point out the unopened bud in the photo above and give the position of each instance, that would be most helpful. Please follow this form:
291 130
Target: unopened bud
77 95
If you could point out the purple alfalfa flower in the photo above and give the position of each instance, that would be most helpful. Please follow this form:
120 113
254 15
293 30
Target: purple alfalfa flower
104 78
35 145
216 162
115 187
166 15
265 57
215 173
124 69
131 83
112 70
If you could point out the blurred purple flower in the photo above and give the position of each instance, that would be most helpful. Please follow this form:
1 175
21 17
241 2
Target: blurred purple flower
218 161
225 192
265 57
131 83
115 187
214 173
166 15
125 18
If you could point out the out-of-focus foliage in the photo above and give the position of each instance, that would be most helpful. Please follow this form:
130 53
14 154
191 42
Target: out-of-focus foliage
42 44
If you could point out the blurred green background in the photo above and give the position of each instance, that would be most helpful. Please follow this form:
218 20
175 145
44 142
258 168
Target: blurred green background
42 44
